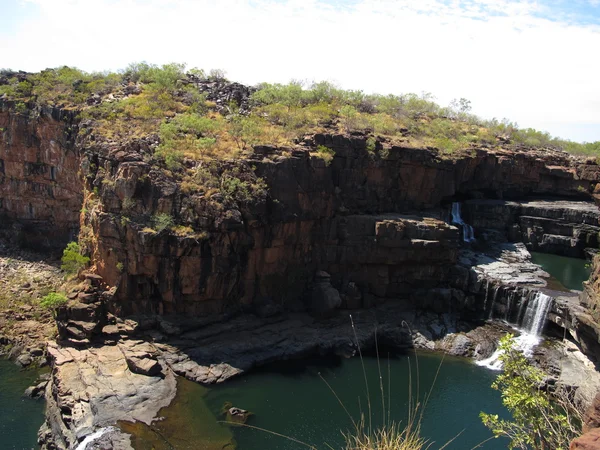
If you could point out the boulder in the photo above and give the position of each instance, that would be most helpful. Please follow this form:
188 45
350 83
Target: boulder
324 298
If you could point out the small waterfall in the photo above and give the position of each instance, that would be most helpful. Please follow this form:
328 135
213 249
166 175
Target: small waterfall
91 438
468 232
535 314
530 326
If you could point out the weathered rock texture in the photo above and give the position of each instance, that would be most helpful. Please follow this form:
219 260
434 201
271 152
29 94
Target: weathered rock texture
41 192
551 226
95 387
348 219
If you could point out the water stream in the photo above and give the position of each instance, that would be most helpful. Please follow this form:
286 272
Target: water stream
468 232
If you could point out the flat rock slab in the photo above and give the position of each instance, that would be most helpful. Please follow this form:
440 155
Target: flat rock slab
506 263
96 387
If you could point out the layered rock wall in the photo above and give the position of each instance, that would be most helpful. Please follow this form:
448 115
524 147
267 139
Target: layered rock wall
40 188
567 228
264 256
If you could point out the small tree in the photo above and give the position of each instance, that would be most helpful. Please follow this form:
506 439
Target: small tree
539 422
52 301
72 259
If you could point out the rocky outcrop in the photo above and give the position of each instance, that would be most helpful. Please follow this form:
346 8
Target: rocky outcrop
551 226
95 387
41 192
590 440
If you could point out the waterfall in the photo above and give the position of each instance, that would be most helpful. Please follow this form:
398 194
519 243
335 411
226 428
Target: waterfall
535 314
91 438
468 232
530 326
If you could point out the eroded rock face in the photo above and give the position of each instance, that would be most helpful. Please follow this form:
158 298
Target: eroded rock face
41 192
551 226
262 256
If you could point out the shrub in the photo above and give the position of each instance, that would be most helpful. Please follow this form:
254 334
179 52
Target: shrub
72 259
188 134
326 154
246 131
164 77
21 108
539 422
238 184
53 300
350 118
371 144
162 221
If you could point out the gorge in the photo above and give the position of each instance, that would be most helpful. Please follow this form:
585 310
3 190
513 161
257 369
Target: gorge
210 269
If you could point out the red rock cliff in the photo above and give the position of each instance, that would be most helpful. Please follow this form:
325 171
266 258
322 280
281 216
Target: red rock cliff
40 188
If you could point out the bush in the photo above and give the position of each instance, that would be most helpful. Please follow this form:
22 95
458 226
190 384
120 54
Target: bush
539 422
53 300
188 134
72 259
164 77
162 221
326 154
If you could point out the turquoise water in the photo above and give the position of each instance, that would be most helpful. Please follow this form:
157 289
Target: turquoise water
20 418
570 272
296 402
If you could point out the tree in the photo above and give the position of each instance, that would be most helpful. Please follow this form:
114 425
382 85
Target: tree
245 131
539 421
72 259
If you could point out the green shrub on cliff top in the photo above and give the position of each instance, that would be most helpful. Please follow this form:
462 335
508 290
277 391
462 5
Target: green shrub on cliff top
325 153
72 260
282 114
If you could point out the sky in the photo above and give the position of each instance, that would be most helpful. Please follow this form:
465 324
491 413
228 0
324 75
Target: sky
534 62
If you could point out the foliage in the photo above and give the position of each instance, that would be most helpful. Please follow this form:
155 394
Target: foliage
235 183
188 134
72 259
161 222
164 78
538 421
53 300
147 98
371 144
326 154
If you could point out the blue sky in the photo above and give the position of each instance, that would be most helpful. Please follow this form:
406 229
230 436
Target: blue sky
534 62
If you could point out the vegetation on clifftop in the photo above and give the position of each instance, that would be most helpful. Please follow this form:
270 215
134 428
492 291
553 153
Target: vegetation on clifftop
197 130
167 100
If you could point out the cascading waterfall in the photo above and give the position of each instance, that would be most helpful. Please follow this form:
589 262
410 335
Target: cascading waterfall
531 325
468 232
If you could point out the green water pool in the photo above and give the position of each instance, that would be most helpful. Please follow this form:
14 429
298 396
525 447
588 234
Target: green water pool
20 418
294 401
568 272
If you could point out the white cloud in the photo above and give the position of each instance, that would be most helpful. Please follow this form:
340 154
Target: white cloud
498 53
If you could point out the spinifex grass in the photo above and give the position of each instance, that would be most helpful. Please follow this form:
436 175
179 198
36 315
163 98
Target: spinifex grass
391 435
